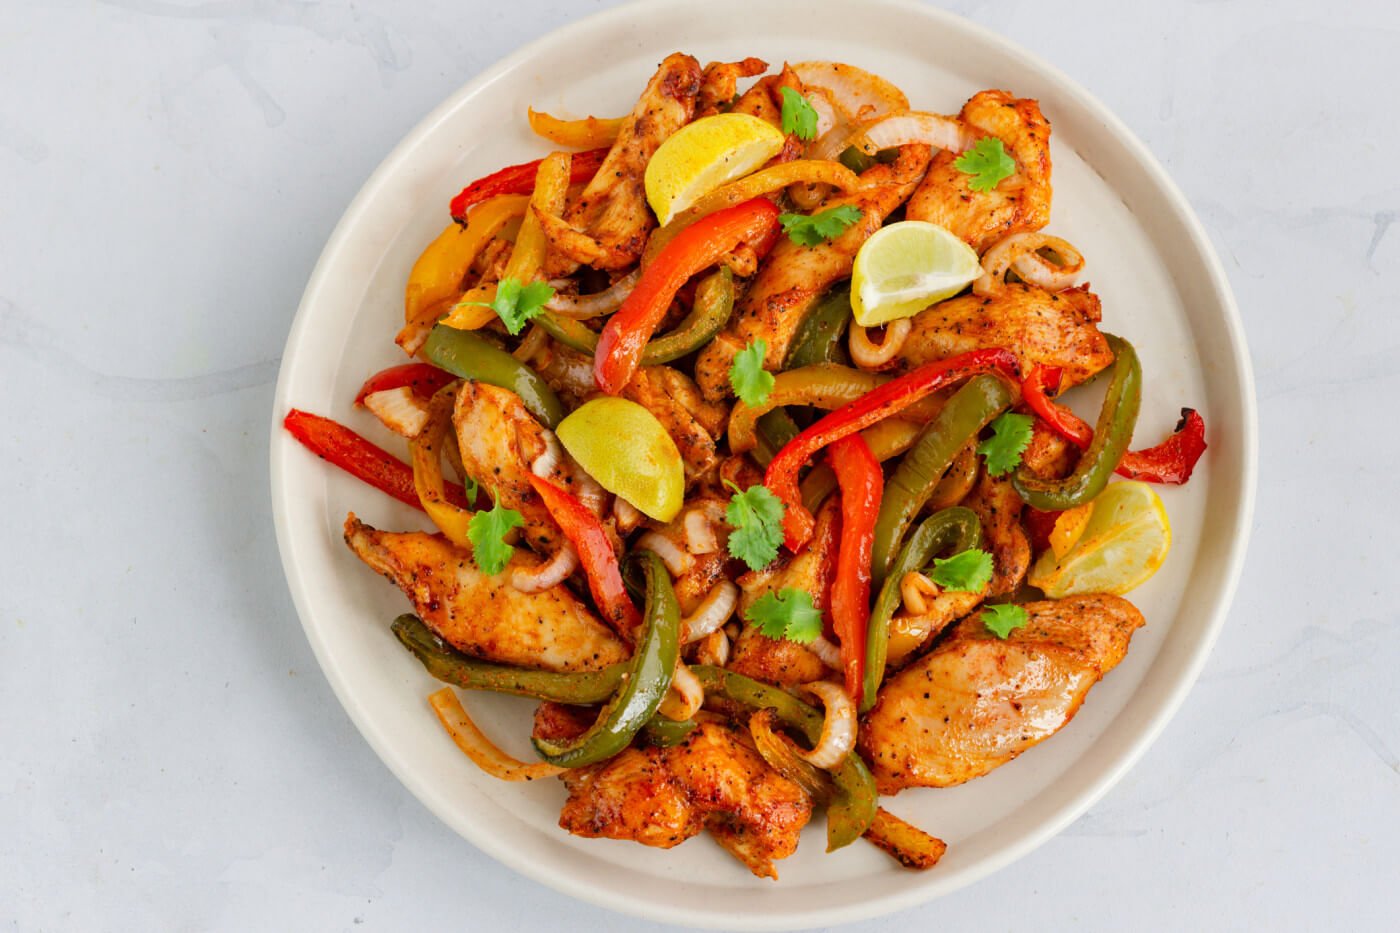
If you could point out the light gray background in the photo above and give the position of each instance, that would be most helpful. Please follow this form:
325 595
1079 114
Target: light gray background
172 757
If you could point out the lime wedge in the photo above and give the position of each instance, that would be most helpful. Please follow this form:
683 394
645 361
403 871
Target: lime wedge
906 267
628 452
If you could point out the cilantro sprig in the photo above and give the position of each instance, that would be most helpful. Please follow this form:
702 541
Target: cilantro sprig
516 303
987 162
799 116
786 614
750 380
1011 435
965 572
810 230
756 515
1001 619
487 531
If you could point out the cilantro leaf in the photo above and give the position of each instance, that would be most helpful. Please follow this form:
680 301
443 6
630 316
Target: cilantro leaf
788 614
1002 619
1011 434
987 162
487 531
750 380
515 304
967 572
756 515
817 228
799 116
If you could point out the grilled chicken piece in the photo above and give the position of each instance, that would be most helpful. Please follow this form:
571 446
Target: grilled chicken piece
793 277
720 83
1021 202
705 553
998 506
977 701
780 661
612 210
662 796
1057 329
485 616
910 631
764 100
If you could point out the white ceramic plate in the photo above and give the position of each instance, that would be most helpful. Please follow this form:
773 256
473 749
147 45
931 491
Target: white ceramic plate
1161 286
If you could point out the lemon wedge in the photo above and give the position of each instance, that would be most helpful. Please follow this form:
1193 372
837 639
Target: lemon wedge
1122 543
628 452
702 156
907 266
1069 528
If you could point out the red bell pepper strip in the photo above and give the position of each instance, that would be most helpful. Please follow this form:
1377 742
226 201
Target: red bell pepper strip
694 249
585 532
363 460
1170 462
876 405
520 179
424 379
862 484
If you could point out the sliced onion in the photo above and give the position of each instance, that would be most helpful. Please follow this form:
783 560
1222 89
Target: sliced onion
400 410
915 590
827 116
545 575
869 355
531 345
713 649
828 653
913 126
546 463
700 523
838 728
583 307
476 746
626 515
685 697
1021 252
714 610
861 94
785 758
677 560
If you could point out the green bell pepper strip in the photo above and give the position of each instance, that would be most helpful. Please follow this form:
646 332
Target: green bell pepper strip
819 337
775 429
464 354
664 733
644 682
714 303
451 666
954 528
1112 434
855 158
971 408
852 809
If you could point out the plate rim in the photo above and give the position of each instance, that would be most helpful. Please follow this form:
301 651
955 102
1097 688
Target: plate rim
916 893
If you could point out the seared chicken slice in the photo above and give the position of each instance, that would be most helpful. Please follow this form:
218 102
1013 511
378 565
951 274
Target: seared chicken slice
977 701
1057 329
911 631
700 533
662 796
485 616
719 84
612 209
793 277
780 661
998 506
1021 202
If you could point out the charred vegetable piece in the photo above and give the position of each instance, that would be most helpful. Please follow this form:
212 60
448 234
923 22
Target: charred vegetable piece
464 354
644 682
1112 435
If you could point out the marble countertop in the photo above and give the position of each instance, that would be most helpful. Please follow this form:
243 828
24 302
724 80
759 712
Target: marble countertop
173 757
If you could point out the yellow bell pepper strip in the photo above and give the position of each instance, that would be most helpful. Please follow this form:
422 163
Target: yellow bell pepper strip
764 181
956 528
447 664
520 179
367 462
464 354
971 409
587 133
452 520
625 336
714 303
644 683
821 385
889 399
527 256
438 273
851 810
1112 434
